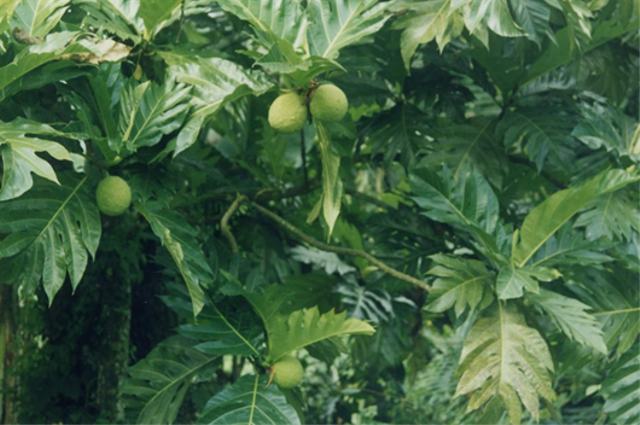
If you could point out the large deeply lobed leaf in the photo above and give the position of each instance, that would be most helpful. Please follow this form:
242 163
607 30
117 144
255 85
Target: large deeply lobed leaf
50 232
503 357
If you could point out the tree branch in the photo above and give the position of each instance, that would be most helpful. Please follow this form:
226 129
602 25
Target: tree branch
340 250
224 223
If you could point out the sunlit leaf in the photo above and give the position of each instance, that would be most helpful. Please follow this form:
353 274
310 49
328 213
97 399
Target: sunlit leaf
503 357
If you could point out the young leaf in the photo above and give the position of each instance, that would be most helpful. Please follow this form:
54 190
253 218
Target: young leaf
569 315
249 401
512 280
621 389
460 282
18 148
545 219
335 24
331 182
180 240
51 229
503 357
305 327
156 386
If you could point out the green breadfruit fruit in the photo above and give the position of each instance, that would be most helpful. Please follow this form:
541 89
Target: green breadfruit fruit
328 104
287 372
287 113
113 196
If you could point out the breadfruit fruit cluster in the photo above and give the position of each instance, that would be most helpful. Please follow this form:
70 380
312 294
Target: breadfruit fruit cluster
328 104
113 196
288 113
287 372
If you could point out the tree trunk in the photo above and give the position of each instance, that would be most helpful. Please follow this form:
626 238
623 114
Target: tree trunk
7 382
115 298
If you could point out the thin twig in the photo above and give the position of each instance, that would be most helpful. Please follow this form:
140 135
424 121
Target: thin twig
340 250
224 223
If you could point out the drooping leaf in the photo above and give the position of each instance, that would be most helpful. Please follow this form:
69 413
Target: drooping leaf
249 401
460 282
335 24
50 229
548 217
503 357
156 386
64 46
179 238
18 148
512 280
331 183
621 389
570 316
38 17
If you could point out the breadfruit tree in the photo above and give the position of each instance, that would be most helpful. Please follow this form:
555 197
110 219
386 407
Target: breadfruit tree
319 211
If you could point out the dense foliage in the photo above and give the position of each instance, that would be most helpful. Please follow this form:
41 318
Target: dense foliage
461 247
